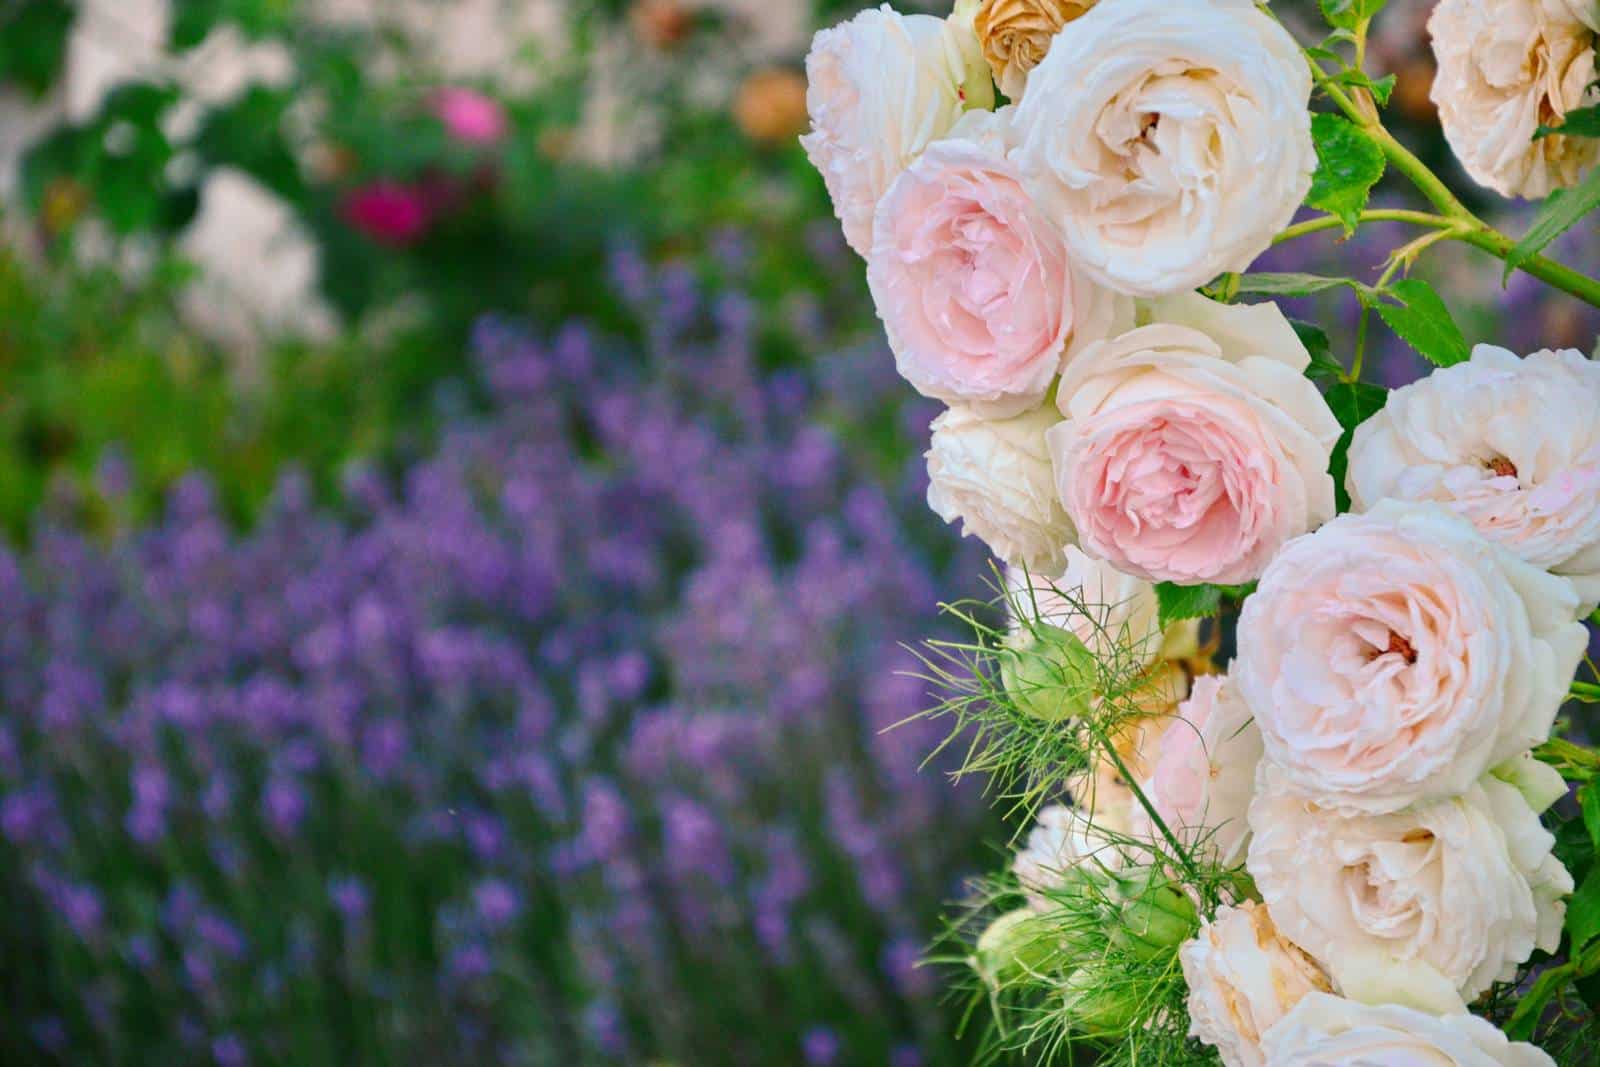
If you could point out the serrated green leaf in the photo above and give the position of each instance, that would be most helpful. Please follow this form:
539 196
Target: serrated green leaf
1323 367
1525 1017
1293 284
1349 164
1180 602
1422 321
1583 912
1348 14
1352 403
1582 122
1380 88
1560 213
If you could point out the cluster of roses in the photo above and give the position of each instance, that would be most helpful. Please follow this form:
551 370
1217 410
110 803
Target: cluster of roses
1367 755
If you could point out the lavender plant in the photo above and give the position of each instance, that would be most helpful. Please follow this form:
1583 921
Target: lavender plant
565 745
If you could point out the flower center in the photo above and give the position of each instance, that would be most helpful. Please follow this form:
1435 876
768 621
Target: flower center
1398 646
1502 467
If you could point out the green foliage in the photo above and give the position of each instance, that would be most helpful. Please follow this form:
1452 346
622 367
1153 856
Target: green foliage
1323 367
1414 310
1180 602
33 42
1349 14
1563 210
1352 404
1349 164
1581 122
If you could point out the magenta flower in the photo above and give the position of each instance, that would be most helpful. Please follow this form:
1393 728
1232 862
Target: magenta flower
388 212
469 116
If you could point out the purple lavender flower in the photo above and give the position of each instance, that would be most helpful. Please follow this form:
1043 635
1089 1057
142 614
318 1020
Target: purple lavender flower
821 1047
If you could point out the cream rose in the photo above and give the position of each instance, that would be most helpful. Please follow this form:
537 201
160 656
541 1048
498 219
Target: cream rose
1466 885
1507 67
995 476
881 88
1203 772
1172 140
1511 444
1243 978
1397 656
1065 844
973 281
1016 34
1325 1030
1194 448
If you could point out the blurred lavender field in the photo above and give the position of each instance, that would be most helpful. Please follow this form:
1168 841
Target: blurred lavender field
566 745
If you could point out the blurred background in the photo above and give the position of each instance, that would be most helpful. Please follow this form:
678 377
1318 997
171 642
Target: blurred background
461 522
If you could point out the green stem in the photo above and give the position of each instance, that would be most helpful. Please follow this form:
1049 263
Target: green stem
1586 692
1333 222
1452 213
1178 850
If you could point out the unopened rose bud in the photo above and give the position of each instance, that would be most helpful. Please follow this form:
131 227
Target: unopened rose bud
1017 943
1015 35
1048 673
771 106
1154 916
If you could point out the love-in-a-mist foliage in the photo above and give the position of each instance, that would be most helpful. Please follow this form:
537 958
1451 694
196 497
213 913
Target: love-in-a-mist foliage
1274 689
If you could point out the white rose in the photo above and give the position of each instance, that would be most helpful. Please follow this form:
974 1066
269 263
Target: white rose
881 88
995 476
1172 140
1202 772
1397 656
1243 977
1511 444
1467 885
1324 1030
1195 447
1507 67
1064 844
1115 615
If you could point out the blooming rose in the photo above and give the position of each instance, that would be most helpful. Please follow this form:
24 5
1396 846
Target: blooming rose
1195 448
1396 656
1203 772
1512 444
1466 885
1243 977
1064 844
1172 140
882 87
973 281
1325 1030
1016 34
1507 67
995 476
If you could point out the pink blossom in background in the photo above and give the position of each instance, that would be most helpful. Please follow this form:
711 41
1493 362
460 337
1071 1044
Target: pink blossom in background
388 212
469 116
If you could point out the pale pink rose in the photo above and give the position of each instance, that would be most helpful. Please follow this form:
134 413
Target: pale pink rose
1243 977
1466 886
973 281
1395 657
881 88
1204 771
1511 444
1194 448
1507 67
1324 1029
469 116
